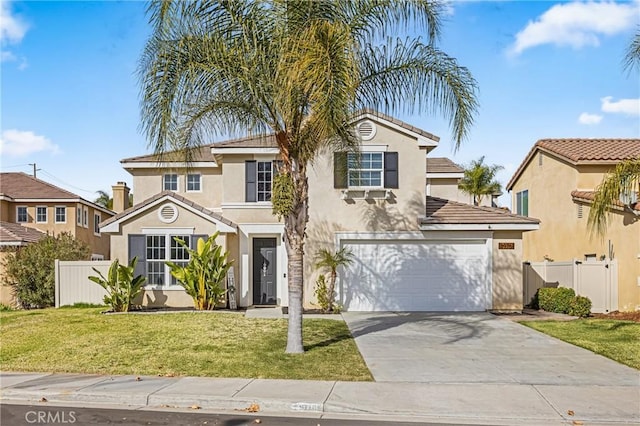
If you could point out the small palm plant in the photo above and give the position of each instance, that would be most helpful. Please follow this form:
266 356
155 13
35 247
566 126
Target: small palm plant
203 277
328 260
122 287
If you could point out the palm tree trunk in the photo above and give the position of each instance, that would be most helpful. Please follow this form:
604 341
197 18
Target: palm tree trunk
332 289
295 224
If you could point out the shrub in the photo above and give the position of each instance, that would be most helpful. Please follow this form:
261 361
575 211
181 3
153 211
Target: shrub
555 299
322 293
580 307
203 277
122 287
31 270
5 308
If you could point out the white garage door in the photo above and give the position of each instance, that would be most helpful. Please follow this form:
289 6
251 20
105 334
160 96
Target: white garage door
416 276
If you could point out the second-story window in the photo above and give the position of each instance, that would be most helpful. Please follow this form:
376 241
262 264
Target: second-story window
85 217
61 214
193 182
258 180
41 214
21 214
170 182
522 203
365 171
264 180
96 223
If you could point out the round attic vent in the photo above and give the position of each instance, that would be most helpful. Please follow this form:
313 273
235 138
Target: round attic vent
366 130
168 213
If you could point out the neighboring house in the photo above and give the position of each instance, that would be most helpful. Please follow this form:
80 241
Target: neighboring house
555 183
443 176
411 251
36 204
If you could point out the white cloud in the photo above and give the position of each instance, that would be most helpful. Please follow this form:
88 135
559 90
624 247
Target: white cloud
18 143
622 106
577 24
12 27
586 118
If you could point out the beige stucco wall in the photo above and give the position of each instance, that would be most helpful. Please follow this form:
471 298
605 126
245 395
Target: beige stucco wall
507 271
563 236
6 292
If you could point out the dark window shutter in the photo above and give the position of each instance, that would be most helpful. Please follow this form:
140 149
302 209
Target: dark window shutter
390 169
137 247
251 175
340 170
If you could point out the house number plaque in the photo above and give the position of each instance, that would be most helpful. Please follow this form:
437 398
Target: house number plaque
506 246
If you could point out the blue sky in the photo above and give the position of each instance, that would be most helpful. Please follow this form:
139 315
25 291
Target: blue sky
69 92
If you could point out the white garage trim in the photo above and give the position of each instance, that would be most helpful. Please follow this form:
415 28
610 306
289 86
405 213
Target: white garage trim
433 261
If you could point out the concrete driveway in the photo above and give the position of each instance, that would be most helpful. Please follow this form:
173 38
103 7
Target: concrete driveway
475 348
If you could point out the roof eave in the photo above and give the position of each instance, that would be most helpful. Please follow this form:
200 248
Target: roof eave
433 226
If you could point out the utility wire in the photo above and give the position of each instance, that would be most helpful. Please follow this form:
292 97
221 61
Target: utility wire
66 183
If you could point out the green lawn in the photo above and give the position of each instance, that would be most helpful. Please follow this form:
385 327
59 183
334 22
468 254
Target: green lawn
181 344
618 340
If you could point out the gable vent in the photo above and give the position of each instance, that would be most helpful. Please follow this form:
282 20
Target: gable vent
366 130
168 213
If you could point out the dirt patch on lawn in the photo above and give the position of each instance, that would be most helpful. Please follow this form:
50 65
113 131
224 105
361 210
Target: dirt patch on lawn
617 315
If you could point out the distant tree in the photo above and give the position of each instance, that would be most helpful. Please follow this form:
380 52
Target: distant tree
480 180
104 199
30 271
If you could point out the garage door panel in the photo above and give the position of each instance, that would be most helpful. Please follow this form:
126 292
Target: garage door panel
418 276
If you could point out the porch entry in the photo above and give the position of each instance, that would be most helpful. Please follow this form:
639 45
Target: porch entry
264 271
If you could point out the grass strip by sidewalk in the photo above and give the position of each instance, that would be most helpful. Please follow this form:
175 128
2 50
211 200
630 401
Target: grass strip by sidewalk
181 344
617 340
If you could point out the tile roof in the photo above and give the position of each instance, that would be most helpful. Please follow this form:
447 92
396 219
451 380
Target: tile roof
16 234
148 201
202 153
589 196
21 185
583 151
442 165
266 141
441 211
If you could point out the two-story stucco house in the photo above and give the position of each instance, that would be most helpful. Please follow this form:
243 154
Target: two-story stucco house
555 183
411 251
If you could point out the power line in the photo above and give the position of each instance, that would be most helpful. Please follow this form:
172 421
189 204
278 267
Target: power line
66 183
15 166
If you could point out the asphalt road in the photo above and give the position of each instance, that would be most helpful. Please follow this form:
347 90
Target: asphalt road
27 415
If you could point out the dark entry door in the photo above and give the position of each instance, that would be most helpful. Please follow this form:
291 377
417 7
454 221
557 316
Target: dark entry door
264 271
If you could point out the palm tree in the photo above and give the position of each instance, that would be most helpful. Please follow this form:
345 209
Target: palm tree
625 178
480 180
104 199
297 69
332 261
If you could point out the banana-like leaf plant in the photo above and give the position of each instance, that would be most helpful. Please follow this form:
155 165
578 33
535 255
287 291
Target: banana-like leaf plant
203 277
122 287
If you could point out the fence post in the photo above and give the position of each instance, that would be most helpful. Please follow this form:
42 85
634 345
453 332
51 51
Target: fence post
56 271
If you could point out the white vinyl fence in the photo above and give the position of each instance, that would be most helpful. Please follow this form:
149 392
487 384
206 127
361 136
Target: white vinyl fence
597 280
73 284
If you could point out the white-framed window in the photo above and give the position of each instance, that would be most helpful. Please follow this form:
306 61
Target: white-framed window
61 214
85 217
194 182
367 171
21 214
522 203
159 249
170 182
96 223
41 214
79 215
264 180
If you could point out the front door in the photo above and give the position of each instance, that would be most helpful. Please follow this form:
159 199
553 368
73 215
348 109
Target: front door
264 271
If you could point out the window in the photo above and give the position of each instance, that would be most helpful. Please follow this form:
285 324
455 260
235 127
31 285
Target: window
258 180
365 171
41 214
170 182
79 215
61 214
85 217
21 214
159 249
193 182
522 203
96 223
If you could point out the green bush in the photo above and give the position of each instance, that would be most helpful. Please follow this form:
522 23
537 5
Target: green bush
322 293
122 287
5 308
580 307
555 299
30 271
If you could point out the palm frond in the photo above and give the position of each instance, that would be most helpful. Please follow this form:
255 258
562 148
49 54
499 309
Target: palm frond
632 54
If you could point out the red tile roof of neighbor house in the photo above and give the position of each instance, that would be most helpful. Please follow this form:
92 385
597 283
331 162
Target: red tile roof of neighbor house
21 185
441 211
442 165
583 151
589 196
16 234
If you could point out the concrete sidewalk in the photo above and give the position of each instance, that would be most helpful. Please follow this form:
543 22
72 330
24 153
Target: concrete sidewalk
472 403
